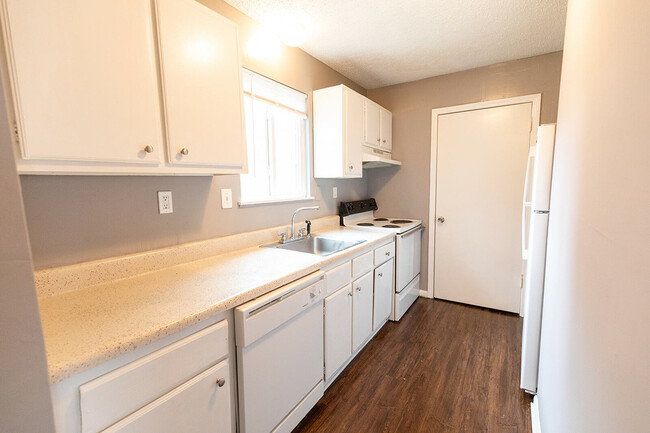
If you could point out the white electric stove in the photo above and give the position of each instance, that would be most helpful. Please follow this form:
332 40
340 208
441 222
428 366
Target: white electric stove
361 214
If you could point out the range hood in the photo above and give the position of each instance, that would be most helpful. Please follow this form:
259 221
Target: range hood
371 160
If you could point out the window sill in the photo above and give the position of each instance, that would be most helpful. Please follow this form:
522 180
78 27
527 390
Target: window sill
274 201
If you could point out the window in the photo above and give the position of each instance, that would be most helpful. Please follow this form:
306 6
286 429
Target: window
276 131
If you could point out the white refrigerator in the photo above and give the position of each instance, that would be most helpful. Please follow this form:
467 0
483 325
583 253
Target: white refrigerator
536 211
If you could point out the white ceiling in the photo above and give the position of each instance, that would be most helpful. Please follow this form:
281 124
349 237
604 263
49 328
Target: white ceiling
382 42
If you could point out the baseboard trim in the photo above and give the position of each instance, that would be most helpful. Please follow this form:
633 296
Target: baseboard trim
534 416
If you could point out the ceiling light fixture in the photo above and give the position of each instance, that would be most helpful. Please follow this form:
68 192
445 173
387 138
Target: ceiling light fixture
293 34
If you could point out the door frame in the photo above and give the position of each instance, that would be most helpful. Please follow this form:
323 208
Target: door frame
535 99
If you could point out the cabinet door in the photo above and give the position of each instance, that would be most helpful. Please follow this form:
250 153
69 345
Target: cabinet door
200 405
84 91
383 293
353 130
362 310
371 124
386 129
338 330
201 74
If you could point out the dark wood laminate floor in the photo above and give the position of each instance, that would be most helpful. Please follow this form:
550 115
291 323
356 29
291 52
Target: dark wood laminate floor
444 368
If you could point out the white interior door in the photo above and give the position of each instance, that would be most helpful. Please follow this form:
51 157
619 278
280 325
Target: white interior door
481 168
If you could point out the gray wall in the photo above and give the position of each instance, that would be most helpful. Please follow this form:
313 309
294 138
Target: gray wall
25 404
595 350
404 192
78 218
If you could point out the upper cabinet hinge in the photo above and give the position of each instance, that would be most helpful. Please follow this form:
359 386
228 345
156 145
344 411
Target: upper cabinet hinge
16 134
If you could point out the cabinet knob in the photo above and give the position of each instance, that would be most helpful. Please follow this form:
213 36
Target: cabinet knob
185 151
351 167
380 274
358 289
378 140
221 382
388 253
148 149
350 294
441 220
384 141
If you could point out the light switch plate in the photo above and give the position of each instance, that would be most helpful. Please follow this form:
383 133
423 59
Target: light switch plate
165 202
335 192
226 198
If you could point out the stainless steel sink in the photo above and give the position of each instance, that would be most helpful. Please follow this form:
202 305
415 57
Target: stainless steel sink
316 245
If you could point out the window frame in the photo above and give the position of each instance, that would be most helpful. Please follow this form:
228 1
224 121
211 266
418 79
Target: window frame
306 146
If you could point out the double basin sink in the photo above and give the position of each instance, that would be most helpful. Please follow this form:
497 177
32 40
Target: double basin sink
318 245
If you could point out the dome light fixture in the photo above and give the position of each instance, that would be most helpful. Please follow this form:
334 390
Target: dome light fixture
293 34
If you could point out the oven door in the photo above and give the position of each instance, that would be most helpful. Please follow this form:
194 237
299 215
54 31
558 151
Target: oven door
408 257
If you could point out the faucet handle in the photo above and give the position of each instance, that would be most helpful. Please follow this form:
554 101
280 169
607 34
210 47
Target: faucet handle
283 237
302 232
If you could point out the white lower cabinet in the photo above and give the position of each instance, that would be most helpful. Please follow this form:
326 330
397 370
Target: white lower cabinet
362 310
338 326
200 405
182 385
384 282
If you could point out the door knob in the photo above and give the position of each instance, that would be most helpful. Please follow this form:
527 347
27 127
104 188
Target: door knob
441 220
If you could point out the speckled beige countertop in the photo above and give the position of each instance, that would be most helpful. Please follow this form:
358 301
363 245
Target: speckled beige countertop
87 327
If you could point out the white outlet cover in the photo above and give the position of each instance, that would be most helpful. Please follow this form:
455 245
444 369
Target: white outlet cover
165 202
335 192
226 198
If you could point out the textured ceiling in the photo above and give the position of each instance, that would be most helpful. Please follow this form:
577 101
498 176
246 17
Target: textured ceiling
381 42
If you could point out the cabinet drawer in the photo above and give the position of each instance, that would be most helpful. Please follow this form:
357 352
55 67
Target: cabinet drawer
362 264
121 392
384 253
197 406
338 277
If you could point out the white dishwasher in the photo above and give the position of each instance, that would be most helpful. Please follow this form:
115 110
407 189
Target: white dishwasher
279 338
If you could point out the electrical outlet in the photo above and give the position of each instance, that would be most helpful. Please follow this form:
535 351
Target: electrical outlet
335 192
165 202
226 199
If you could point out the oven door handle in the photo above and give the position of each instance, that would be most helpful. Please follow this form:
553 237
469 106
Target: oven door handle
410 232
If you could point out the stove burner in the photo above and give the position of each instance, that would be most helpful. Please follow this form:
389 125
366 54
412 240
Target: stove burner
365 224
381 219
391 226
401 221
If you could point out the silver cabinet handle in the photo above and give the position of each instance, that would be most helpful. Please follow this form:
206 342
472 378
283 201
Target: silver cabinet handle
358 289
148 149
184 151
221 382
380 274
441 219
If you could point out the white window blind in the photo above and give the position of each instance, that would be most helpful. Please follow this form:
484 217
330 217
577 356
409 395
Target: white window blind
276 136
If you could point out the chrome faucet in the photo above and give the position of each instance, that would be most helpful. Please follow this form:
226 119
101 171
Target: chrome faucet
283 238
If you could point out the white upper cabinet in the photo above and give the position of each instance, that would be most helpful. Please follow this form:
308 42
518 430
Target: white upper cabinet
386 129
371 132
83 75
378 126
202 88
91 93
338 133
